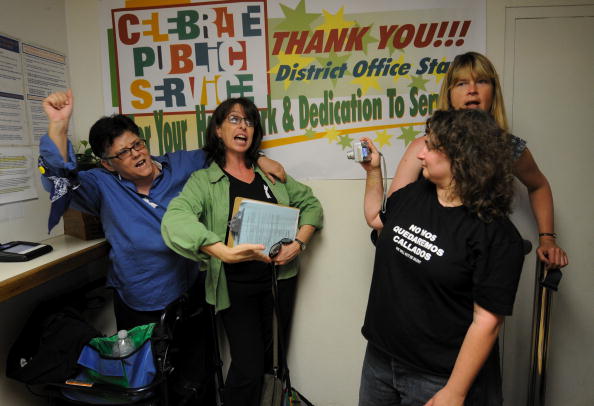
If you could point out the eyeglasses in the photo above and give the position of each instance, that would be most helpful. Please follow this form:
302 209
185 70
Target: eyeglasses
236 120
124 153
275 249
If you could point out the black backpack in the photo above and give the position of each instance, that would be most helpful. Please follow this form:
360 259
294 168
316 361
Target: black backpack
47 349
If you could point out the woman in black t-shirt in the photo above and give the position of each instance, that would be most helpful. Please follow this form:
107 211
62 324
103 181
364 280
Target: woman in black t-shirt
446 270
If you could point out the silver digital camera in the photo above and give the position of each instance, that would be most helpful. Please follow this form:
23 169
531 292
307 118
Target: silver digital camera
360 152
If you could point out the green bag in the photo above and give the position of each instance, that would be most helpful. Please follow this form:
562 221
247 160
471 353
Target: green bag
133 370
138 335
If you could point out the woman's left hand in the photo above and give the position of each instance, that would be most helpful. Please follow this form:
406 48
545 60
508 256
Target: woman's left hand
287 253
445 397
551 254
272 169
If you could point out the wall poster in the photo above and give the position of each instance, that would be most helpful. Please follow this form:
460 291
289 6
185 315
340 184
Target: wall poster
323 74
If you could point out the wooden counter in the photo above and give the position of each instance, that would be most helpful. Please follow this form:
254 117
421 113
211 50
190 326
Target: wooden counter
69 253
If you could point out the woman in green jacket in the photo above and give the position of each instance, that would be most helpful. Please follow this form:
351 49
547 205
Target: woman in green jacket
238 278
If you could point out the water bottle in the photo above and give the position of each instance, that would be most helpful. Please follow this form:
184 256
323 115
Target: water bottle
123 346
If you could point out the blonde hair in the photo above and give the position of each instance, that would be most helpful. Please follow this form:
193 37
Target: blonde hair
479 67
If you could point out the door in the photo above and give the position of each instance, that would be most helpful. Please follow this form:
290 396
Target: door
549 90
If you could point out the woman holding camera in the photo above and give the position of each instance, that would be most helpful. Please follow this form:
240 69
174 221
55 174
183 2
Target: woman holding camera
473 83
446 270
238 281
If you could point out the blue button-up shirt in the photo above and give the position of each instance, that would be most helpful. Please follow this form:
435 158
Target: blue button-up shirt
145 272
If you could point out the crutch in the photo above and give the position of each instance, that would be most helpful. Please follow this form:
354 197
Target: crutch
546 281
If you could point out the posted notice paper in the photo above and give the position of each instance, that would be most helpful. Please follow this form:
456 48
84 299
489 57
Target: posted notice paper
17 168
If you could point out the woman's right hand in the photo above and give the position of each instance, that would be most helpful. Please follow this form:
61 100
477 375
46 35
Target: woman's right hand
58 106
375 156
239 253
58 109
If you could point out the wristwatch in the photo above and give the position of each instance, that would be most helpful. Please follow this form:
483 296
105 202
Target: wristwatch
301 244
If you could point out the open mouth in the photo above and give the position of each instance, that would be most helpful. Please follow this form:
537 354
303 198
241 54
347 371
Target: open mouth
241 138
473 104
140 163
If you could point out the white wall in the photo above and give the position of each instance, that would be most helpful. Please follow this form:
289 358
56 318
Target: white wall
46 26
327 347
82 29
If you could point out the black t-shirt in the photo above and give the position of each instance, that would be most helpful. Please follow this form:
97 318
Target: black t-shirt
432 263
251 271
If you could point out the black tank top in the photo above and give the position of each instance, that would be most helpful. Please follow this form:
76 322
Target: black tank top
250 272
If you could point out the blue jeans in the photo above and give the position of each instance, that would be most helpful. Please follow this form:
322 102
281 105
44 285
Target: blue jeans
387 382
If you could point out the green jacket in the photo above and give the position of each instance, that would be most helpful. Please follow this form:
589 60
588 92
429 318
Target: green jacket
198 217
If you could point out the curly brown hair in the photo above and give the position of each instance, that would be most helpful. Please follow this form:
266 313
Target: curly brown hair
480 157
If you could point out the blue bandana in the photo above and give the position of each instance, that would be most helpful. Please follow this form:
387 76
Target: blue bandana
59 196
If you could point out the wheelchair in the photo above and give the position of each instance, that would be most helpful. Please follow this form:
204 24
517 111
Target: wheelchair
158 392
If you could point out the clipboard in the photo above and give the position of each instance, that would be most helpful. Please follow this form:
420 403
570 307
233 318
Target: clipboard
258 222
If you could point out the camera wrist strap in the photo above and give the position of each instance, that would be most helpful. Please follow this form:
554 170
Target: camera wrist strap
383 169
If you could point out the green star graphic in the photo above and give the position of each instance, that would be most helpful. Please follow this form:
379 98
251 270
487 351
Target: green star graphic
367 38
408 135
310 133
345 141
382 138
392 49
336 61
418 82
296 19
